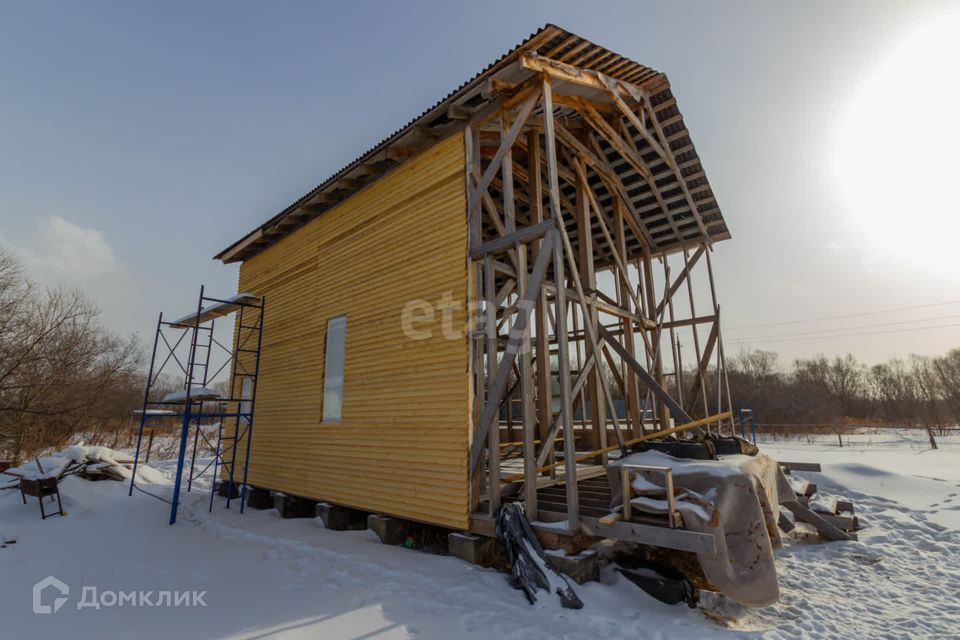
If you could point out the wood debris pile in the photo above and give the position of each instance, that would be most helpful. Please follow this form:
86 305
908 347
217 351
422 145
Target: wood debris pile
834 521
89 463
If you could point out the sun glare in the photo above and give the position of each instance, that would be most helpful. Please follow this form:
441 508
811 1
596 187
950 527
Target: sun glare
897 151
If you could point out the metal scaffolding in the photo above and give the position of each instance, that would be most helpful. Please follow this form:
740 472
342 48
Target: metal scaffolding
197 403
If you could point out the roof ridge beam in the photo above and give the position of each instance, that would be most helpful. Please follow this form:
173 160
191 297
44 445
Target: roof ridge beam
561 71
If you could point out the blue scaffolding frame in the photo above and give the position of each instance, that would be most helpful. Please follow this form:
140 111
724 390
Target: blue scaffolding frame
192 404
746 414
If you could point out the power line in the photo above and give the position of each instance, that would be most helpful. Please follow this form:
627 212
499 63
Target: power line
853 328
849 315
846 335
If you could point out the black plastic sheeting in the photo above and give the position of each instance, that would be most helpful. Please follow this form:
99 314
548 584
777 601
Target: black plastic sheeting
530 569
707 448
664 584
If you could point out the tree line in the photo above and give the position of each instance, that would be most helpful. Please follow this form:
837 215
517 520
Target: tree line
917 391
62 372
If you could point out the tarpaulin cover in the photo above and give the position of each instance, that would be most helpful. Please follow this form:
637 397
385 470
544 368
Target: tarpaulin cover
736 499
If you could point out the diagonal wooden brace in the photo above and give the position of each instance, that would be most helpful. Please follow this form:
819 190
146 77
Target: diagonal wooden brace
525 306
679 415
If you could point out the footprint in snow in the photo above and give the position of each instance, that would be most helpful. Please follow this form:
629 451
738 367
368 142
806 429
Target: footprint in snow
860 558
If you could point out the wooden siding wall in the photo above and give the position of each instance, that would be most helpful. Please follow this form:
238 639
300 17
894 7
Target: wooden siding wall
401 447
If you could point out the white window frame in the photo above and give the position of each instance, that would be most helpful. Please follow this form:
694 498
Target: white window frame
333 363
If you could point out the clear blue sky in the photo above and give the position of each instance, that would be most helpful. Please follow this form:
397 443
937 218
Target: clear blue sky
137 139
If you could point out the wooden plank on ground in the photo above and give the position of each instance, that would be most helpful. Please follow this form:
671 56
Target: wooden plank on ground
828 530
801 466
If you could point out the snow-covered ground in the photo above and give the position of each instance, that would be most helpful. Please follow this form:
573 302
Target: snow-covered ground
268 577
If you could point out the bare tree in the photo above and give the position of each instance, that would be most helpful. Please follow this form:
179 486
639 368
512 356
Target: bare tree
929 393
61 371
948 373
895 388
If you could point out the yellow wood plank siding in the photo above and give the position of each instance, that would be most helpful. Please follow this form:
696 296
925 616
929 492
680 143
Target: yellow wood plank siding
401 447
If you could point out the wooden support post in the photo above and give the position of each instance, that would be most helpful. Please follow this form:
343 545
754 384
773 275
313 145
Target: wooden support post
490 327
722 366
694 328
657 360
598 428
563 354
474 271
544 390
526 360
566 407
630 387
674 350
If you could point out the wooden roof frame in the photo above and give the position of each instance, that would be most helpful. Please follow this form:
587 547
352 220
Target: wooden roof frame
681 211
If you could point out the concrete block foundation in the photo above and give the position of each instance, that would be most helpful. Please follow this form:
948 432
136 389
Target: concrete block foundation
294 507
390 530
338 518
468 547
258 498
580 567
222 490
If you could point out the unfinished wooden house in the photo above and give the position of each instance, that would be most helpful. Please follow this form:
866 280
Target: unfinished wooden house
494 302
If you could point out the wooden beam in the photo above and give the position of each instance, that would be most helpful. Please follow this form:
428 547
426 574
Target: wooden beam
685 273
506 143
664 537
679 415
502 376
560 319
583 457
459 112
630 155
524 234
598 431
804 514
671 161
689 322
550 437
695 329
652 535
702 368
564 72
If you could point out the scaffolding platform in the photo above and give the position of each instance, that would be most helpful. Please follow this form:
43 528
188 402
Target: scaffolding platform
218 309
185 345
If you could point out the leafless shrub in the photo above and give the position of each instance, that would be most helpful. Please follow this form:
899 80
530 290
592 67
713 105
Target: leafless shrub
61 371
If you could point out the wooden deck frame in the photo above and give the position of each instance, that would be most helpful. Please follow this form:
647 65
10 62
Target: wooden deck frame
546 186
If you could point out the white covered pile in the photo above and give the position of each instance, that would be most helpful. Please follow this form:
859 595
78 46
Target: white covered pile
91 463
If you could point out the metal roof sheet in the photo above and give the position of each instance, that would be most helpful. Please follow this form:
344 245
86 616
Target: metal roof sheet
549 41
